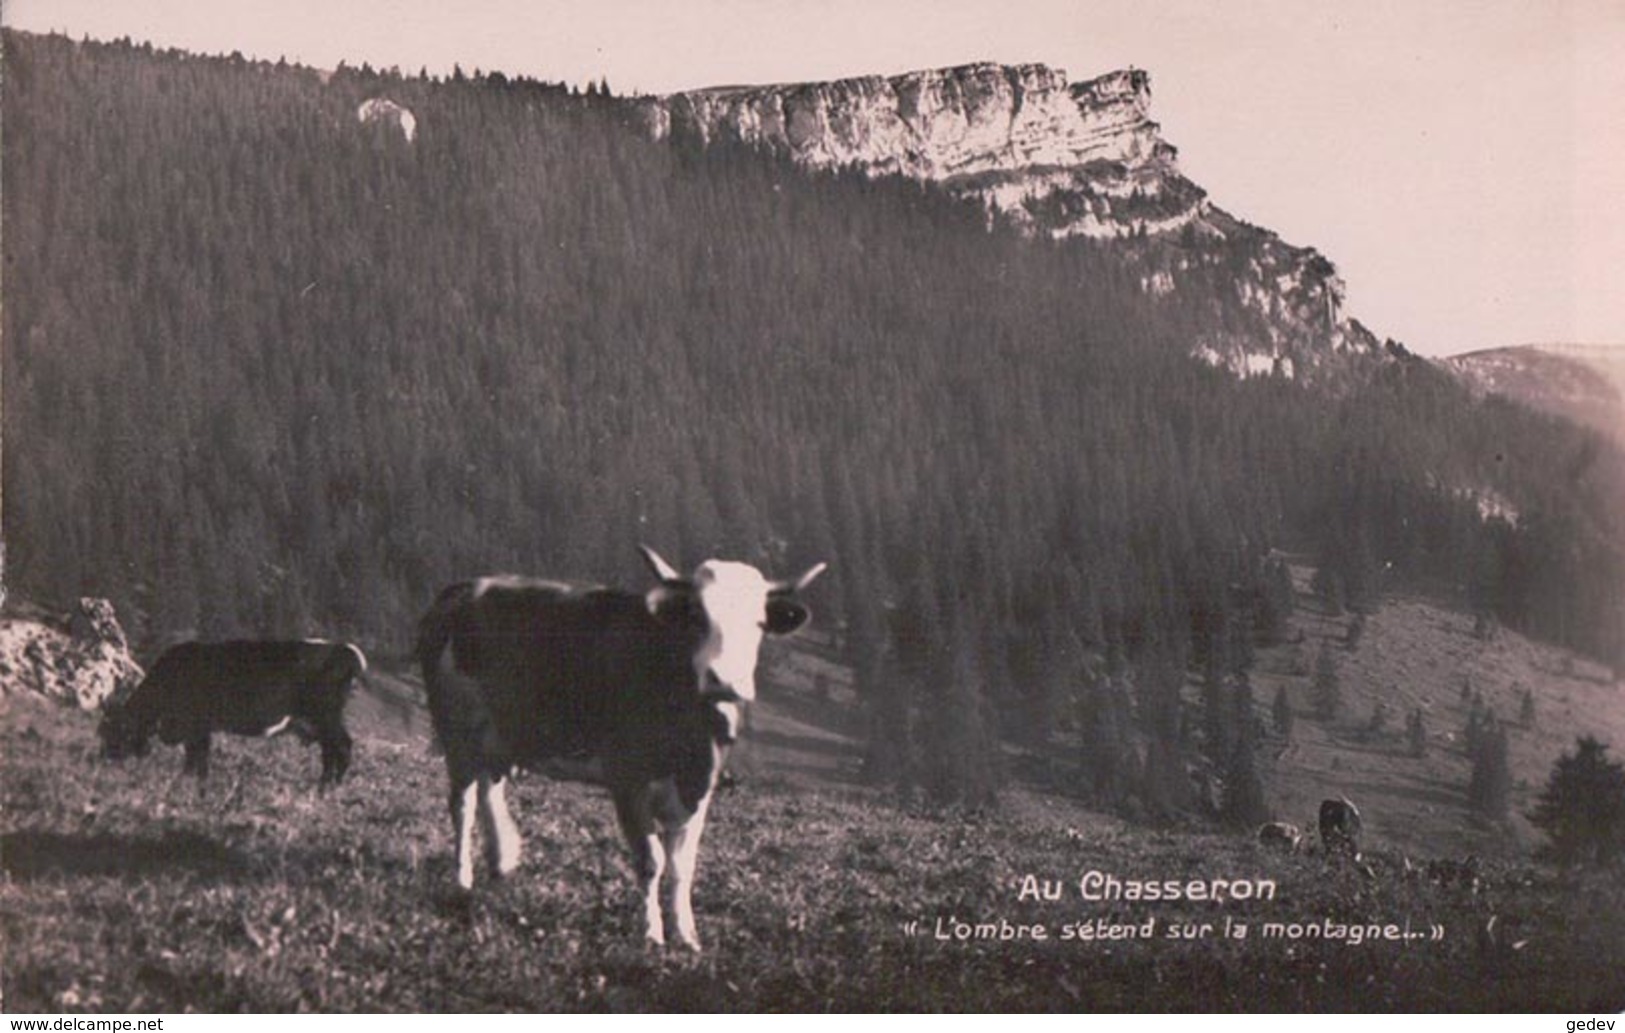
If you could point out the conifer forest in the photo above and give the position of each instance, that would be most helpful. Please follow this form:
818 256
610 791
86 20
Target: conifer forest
273 372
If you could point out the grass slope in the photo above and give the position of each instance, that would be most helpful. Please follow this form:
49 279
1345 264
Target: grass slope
124 890
1415 653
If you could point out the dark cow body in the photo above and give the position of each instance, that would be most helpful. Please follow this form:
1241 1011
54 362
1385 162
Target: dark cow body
554 674
1340 827
242 688
640 693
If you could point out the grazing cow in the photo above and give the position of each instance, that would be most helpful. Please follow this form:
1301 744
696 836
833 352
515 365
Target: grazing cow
641 694
245 688
1280 835
1340 827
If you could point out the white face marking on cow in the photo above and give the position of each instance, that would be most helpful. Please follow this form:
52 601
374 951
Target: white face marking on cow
734 596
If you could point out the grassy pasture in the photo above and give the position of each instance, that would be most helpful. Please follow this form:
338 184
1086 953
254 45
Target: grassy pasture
123 890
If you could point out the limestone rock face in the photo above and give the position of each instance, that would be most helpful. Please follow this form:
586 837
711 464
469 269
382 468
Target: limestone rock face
80 658
1014 136
1053 158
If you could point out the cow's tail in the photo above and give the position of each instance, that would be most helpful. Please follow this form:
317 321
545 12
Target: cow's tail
355 664
435 629
345 663
434 635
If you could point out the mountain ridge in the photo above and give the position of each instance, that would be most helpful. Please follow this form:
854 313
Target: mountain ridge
1055 158
1584 383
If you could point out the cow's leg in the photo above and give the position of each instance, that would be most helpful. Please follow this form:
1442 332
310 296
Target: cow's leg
683 848
503 845
336 749
462 820
648 857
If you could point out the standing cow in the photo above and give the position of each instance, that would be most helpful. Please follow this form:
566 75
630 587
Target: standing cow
1340 827
640 693
244 688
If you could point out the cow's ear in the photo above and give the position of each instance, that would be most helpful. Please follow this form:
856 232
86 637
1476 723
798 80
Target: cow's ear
784 615
674 604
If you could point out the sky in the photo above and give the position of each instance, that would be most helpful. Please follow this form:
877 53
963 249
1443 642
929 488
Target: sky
1460 161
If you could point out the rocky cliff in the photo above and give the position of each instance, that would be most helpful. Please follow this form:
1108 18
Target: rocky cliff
1019 137
1055 158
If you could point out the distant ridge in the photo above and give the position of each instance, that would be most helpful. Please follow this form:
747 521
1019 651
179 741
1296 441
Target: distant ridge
1580 382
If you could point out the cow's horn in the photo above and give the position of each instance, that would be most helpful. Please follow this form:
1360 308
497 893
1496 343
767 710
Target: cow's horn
787 587
662 570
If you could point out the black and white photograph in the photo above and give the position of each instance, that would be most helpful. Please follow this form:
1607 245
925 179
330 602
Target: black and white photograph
738 506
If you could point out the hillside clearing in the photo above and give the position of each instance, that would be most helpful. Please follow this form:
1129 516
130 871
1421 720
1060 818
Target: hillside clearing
1415 653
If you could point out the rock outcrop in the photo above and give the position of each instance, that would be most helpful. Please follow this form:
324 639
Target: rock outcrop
1054 158
1057 157
80 658
1066 159
383 111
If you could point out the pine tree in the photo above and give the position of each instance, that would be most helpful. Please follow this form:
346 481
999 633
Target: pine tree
1218 713
958 761
888 700
1378 724
1281 712
1582 808
1164 786
1106 753
1416 734
1275 602
1328 693
1242 805
1355 632
1328 584
1480 722
1489 789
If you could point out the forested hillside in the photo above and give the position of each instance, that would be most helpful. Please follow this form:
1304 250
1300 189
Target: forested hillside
270 371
